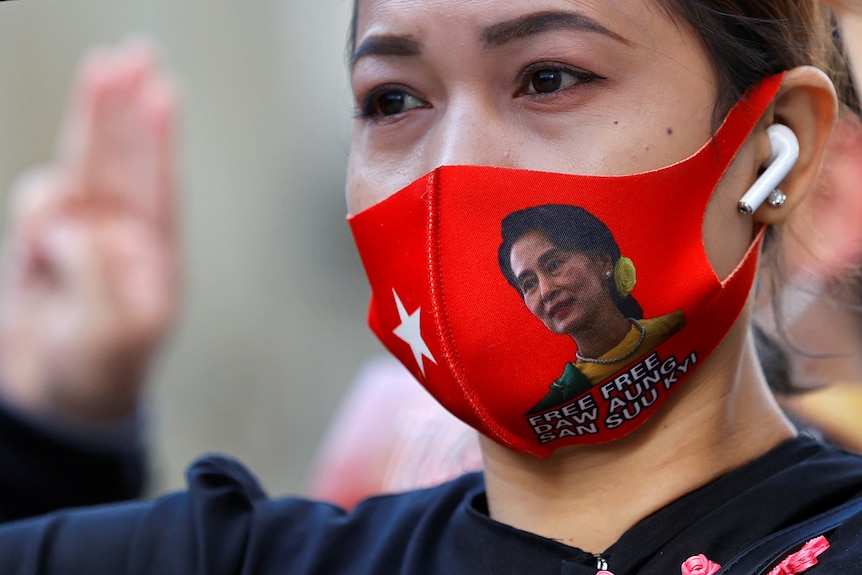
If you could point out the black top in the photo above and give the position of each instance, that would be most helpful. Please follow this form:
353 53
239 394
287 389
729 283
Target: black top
44 471
225 524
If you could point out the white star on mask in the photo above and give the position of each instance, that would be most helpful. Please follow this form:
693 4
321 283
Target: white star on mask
409 332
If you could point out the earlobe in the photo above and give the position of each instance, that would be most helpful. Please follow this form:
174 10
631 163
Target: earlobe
807 104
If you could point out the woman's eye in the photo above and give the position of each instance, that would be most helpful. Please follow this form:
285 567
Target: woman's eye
544 79
528 285
389 102
553 265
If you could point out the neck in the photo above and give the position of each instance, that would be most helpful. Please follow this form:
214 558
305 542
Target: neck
595 342
723 417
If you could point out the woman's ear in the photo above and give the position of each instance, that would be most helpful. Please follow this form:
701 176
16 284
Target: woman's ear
807 104
605 263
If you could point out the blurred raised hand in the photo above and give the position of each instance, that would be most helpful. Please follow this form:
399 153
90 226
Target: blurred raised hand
89 285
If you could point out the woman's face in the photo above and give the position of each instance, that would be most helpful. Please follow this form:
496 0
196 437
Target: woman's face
567 290
605 87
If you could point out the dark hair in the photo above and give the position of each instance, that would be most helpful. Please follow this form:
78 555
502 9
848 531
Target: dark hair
750 40
569 228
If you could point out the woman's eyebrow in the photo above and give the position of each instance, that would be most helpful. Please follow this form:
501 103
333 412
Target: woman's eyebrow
541 22
492 36
385 46
549 255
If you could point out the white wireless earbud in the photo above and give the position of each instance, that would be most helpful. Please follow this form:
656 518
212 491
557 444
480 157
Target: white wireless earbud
785 152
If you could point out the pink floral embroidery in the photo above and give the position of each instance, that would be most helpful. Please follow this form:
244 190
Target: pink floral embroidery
603 572
699 565
803 559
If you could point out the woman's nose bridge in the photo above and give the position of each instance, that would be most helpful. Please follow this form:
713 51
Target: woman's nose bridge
471 131
546 284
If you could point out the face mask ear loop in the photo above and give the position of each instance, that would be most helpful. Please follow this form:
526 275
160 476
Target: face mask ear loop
785 153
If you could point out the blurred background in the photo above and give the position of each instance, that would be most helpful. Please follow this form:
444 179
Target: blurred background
273 322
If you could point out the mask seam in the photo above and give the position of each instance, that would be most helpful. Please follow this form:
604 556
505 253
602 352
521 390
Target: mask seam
444 331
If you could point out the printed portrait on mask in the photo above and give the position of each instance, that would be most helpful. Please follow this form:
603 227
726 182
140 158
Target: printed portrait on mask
567 267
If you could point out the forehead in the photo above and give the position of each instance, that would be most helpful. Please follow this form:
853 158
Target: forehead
529 247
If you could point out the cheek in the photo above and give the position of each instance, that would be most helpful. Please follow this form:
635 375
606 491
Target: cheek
727 234
533 303
369 184
372 178
594 290
359 196
579 275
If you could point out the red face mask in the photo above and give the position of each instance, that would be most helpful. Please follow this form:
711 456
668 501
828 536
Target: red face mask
549 309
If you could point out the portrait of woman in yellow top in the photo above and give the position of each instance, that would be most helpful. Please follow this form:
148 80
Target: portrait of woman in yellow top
568 268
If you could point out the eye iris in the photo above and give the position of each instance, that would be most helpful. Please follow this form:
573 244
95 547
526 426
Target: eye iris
391 103
546 81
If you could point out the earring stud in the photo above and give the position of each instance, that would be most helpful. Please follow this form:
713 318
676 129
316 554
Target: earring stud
776 198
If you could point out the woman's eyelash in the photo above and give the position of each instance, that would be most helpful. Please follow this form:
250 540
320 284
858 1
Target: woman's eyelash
557 77
536 79
400 100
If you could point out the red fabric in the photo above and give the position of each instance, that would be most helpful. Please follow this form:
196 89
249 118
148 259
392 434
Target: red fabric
432 249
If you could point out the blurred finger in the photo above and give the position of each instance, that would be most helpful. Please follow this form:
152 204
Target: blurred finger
33 201
89 77
31 193
100 128
152 156
110 140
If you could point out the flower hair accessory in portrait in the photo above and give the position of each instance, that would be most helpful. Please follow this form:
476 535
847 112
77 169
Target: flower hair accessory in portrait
512 295
625 276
